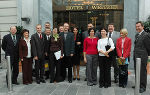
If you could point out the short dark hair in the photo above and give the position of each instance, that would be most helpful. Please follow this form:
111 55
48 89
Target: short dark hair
90 30
140 23
25 30
47 23
111 24
104 29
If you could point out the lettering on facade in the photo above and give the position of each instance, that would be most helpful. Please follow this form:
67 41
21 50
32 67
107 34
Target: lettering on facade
105 7
93 7
74 8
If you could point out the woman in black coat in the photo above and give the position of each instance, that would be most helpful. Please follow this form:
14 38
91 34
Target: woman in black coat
76 57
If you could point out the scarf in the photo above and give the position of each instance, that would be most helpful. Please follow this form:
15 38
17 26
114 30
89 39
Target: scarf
56 36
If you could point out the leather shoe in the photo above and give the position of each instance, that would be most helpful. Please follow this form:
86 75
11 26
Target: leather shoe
74 78
43 81
78 78
16 83
51 81
133 86
85 79
120 85
142 90
70 81
101 86
38 81
123 86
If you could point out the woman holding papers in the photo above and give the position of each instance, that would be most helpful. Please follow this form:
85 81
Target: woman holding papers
56 54
123 47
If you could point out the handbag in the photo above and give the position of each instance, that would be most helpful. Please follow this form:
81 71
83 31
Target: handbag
122 62
107 47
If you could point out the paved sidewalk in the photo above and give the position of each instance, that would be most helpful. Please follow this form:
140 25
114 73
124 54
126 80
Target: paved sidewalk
65 88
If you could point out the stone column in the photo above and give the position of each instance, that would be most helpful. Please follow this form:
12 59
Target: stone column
131 16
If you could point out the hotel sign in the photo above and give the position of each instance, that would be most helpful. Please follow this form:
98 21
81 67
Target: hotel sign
94 7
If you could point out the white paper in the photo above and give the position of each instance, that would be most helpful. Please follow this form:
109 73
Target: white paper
57 54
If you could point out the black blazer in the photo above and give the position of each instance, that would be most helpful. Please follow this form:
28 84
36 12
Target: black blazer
68 44
142 45
38 45
9 47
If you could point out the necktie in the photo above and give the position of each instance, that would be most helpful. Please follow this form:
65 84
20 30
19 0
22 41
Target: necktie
109 34
48 38
14 40
40 36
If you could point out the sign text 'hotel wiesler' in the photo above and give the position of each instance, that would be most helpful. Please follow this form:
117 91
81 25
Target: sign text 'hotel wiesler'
93 7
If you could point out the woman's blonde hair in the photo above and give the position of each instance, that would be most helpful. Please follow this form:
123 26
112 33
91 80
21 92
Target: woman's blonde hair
124 31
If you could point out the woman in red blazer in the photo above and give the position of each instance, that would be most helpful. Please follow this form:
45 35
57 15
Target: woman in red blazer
123 47
25 56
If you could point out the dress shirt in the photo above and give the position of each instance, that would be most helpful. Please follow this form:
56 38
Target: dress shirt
29 47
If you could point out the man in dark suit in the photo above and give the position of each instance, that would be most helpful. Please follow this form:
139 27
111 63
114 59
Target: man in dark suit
10 44
142 50
114 35
38 51
68 38
47 47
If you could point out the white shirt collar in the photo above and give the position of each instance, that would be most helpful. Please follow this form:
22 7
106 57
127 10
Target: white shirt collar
141 32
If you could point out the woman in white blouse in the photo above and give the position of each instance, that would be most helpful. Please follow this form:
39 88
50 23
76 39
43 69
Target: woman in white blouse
104 60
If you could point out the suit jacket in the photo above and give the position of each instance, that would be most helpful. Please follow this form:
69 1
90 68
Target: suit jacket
126 47
115 36
38 45
23 49
9 47
68 44
142 45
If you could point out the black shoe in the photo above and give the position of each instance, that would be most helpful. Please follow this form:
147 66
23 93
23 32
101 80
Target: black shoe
105 86
43 81
51 81
38 81
85 79
133 86
78 78
120 85
142 90
123 86
74 78
116 81
16 83
101 86
90 84
70 81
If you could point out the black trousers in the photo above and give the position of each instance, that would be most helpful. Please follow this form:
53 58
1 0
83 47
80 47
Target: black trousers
114 64
105 71
143 72
39 68
55 76
123 74
66 64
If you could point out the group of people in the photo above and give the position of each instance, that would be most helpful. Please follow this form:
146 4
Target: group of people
104 48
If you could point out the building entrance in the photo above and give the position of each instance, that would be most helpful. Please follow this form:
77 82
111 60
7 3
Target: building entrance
81 12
